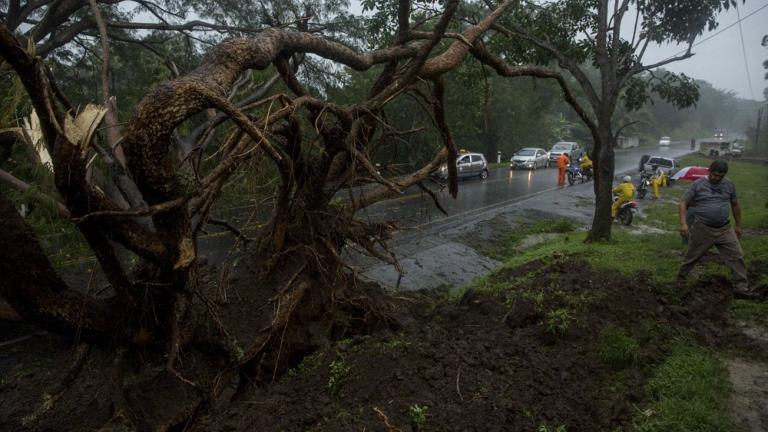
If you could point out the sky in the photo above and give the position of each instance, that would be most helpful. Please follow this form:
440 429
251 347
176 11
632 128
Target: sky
719 60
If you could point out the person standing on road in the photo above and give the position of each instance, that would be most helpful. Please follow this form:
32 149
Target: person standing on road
659 179
626 191
562 164
706 204
693 143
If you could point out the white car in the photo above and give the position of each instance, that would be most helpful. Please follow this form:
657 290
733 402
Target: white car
529 158
664 141
669 165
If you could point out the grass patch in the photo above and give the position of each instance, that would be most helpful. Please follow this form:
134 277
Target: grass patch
749 311
688 392
627 254
616 348
509 244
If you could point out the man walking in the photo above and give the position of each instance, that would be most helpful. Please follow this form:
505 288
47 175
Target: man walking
562 164
706 205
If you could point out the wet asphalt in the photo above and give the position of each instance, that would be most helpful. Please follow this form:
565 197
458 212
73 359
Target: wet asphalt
502 187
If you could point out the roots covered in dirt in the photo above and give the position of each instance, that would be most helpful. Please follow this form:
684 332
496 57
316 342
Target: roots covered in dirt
557 344
547 344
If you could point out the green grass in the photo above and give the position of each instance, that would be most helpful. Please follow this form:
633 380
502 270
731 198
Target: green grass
626 253
749 311
509 243
616 348
688 392
656 253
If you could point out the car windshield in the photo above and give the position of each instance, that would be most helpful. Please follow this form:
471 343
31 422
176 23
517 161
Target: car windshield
660 162
665 138
561 147
526 152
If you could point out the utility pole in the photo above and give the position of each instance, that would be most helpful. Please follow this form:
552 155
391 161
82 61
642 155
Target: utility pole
762 150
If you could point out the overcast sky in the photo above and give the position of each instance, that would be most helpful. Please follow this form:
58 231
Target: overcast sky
720 59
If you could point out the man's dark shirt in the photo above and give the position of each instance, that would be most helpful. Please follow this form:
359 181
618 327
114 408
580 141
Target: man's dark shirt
709 203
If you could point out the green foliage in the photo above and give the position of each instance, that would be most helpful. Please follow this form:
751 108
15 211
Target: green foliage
678 90
418 415
688 392
558 321
338 373
616 348
307 365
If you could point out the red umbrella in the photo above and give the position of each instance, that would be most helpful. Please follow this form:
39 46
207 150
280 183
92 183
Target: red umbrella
691 173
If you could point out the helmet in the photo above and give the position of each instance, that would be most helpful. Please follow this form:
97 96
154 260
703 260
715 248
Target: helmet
627 179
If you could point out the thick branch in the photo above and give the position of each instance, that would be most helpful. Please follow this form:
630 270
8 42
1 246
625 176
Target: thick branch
34 289
382 192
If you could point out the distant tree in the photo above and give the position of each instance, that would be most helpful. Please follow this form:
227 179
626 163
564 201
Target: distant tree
560 39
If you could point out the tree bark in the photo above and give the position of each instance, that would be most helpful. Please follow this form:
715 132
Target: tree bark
36 292
604 170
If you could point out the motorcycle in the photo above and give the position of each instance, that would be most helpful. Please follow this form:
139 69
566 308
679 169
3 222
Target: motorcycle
643 184
575 173
626 211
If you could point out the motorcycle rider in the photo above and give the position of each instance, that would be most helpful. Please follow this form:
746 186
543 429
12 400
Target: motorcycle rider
625 191
586 164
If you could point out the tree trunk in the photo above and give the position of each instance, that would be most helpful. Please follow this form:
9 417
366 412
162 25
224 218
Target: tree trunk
604 165
489 137
36 292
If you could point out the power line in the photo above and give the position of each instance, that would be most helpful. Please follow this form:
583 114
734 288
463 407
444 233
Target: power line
717 33
744 51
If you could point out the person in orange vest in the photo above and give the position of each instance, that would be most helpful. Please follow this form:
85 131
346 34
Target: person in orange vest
562 164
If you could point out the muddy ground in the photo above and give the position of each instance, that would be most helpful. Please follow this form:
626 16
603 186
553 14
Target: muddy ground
523 358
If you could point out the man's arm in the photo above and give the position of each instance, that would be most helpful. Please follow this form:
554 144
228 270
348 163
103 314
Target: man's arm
736 209
682 210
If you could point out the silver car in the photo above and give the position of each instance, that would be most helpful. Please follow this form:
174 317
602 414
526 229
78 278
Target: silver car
573 149
529 158
467 165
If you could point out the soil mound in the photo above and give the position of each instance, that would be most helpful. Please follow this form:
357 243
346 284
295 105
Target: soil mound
548 344
531 356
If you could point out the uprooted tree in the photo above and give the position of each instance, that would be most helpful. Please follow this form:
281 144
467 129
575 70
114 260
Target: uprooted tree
142 206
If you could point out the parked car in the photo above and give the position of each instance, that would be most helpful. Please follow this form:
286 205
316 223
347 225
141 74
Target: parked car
467 165
664 141
573 149
719 148
667 164
737 149
530 158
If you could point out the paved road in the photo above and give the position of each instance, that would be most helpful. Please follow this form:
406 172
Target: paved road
503 187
